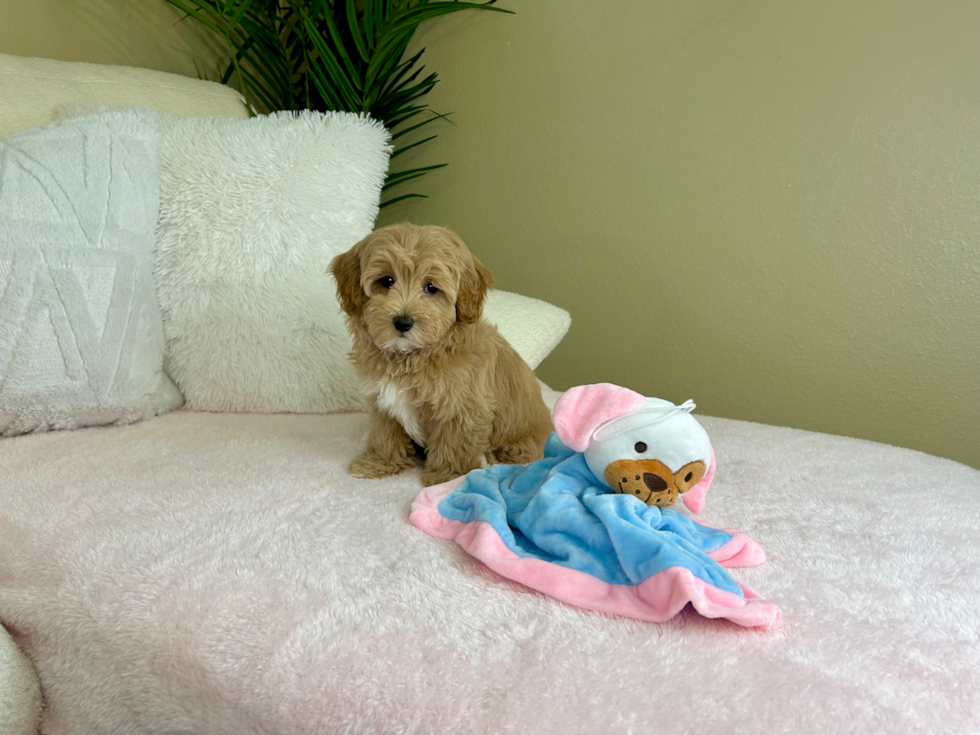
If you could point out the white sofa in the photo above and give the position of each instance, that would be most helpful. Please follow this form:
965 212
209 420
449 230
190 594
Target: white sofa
220 573
32 90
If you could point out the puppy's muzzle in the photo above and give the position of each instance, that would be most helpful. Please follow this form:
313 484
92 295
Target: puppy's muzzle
403 323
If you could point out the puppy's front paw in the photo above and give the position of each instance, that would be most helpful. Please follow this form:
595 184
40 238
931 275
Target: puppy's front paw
371 467
437 477
516 454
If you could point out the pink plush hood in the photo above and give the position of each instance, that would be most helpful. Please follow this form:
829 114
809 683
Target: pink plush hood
583 409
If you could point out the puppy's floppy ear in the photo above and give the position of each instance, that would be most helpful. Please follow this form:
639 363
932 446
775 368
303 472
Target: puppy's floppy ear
346 270
474 283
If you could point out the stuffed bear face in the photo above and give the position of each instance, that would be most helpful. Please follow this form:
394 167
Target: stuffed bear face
651 480
653 453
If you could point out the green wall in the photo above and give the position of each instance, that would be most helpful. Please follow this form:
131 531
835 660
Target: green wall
771 207
146 33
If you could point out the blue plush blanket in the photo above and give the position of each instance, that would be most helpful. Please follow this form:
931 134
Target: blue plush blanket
554 510
553 527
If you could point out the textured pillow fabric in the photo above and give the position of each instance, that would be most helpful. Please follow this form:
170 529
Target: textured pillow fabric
81 339
251 213
33 90
532 327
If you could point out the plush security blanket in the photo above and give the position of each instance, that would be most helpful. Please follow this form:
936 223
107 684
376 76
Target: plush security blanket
552 527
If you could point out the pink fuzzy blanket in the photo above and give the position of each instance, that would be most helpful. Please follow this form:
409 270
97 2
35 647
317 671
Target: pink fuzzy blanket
222 575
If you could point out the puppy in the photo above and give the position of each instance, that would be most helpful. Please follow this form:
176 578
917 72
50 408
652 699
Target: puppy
435 375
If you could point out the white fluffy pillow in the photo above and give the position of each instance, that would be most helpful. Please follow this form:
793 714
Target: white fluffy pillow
532 327
251 212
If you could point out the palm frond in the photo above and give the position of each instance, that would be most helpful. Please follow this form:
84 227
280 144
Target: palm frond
344 55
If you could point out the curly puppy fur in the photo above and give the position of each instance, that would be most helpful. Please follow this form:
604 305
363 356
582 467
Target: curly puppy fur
437 377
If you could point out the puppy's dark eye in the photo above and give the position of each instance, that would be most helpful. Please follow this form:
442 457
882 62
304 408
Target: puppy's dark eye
430 289
640 447
386 282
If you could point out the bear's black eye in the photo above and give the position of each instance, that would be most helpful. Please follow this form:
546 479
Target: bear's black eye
640 447
688 476
386 282
431 289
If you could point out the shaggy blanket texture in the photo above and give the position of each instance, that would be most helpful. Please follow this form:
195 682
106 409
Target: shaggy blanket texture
221 574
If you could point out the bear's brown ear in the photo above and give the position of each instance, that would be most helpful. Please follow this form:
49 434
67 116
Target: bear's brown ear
689 475
346 270
474 283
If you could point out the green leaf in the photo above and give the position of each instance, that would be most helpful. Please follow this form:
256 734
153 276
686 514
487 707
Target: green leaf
332 67
394 86
228 72
436 116
415 171
402 180
372 22
267 57
197 15
398 199
388 51
341 50
332 55
405 97
409 147
402 69
345 85
355 30
239 13
256 87
322 85
403 114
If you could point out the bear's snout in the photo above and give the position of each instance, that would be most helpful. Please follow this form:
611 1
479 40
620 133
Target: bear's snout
656 483
647 479
651 480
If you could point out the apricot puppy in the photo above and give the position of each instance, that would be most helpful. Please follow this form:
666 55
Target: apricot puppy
440 382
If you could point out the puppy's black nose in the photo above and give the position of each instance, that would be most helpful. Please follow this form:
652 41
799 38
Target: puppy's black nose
403 323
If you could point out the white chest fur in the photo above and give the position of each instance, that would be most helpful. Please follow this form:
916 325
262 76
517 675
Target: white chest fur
393 401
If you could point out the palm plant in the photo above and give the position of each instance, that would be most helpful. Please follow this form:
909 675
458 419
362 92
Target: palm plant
332 55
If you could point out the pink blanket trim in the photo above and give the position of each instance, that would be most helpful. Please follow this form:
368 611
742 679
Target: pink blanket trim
655 600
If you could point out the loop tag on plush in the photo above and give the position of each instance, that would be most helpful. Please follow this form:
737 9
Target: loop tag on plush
646 416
